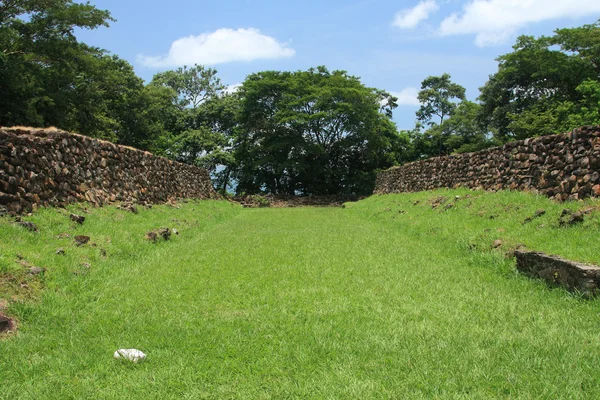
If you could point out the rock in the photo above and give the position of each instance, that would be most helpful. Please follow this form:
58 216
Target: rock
36 270
537 214
175 231
80 240
60 252
569 218
165 233
438 201
30 226
152 236
497 244
133 355
557 271
77 218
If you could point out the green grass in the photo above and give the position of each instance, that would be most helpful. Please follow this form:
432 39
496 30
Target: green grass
382 299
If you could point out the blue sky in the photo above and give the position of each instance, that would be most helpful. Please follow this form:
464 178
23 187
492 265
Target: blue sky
391 45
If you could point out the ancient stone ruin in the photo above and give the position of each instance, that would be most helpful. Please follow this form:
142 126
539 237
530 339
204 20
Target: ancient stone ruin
556 271
564 167
50 167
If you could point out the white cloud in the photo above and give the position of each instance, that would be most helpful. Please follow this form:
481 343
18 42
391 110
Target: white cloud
407 96
411 17
497 21
221 46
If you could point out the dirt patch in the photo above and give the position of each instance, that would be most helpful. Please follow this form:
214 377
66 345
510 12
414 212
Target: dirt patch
80 240
165 233
30 226
7 324
437 201
77 218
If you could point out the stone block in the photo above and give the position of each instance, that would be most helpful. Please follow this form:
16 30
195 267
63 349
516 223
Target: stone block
557 271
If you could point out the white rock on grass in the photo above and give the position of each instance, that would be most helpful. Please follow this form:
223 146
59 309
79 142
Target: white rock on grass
133 355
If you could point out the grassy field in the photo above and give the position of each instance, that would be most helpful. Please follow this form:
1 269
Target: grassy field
386 298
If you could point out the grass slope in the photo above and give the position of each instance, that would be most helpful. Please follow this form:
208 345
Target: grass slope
383 299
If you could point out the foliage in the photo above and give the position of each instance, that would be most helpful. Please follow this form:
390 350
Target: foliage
193 85
538 80
48 78
459 128
204 122
38 45
438 97
312 132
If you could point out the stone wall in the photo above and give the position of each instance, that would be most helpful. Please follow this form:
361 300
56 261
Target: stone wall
563 166
556 271
50 167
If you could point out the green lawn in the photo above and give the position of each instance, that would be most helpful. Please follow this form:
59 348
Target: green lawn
381 299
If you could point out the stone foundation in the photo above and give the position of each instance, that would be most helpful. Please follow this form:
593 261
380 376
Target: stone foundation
50 167
564 167
556 271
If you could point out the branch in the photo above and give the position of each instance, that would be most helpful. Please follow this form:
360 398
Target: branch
11 53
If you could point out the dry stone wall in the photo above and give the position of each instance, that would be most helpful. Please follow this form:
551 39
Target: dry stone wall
50 167
556 271
564 167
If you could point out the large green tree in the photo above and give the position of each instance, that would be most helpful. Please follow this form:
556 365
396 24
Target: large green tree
438 97
49 78
38 50
193 85
313 132
202 130
537 81
446 121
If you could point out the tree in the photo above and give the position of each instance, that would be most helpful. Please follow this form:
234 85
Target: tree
463 132
583 42
312 132
193 85
209 139
535 82
438 98
37 48
206 117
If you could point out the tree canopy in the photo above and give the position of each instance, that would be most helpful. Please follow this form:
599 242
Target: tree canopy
536 86
312 132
